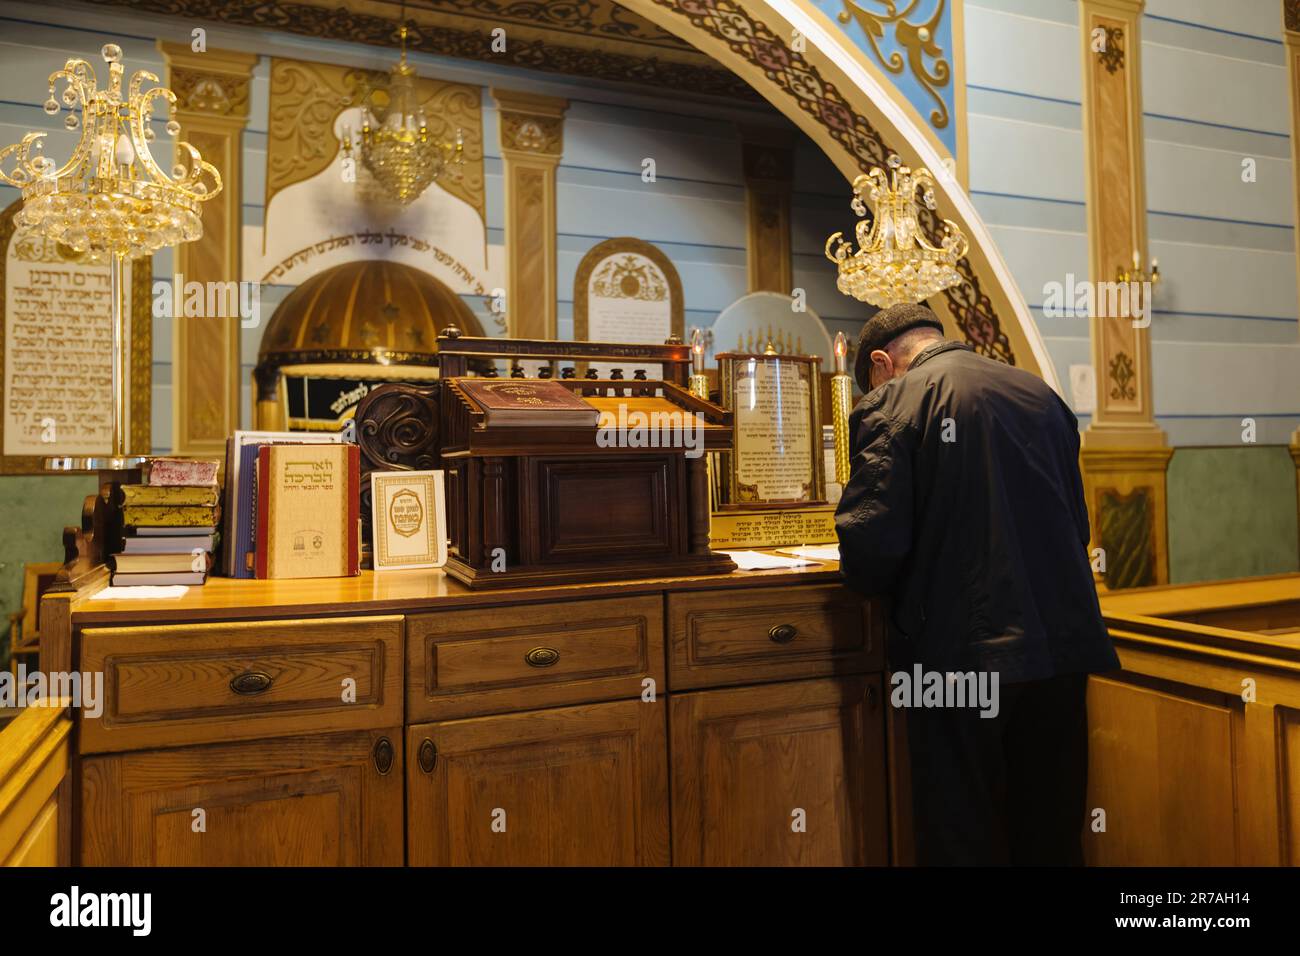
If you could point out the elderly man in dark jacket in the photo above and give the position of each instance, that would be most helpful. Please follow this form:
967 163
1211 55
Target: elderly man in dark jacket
965 506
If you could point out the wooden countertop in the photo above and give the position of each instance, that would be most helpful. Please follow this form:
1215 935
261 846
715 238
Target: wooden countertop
397 591
1171 599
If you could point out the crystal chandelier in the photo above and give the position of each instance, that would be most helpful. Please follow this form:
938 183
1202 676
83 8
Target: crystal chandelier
395 143
895 262
110 201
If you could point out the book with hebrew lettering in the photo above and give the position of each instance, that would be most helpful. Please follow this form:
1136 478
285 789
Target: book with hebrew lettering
512 401
308 511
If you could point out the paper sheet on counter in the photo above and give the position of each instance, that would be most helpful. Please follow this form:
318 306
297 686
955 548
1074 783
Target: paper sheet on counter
161 592
820 552
757 561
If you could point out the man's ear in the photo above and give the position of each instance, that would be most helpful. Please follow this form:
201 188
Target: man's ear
881 360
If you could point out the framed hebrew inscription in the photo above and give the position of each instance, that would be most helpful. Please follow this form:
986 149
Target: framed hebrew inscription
777 459
56 339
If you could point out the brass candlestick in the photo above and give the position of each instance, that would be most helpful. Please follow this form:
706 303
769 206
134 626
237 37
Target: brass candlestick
841 405
699 382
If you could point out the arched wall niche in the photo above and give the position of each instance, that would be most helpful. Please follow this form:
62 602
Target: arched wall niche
842 102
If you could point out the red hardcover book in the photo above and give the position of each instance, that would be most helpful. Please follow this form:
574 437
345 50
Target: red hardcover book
181 472
528 402
308 511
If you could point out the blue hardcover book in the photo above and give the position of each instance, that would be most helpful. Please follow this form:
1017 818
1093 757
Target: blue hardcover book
245 523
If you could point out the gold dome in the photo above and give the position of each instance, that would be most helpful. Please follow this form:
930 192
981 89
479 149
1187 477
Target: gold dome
368 311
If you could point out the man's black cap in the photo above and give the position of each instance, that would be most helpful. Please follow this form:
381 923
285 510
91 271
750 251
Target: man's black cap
882 328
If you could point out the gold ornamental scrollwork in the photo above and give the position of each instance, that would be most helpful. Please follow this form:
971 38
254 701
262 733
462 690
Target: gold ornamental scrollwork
918 39
307 98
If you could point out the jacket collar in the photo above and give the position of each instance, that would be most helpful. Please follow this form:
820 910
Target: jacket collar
938 348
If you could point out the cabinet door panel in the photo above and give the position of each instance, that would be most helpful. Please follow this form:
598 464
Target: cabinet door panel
572 786
780 775
328 800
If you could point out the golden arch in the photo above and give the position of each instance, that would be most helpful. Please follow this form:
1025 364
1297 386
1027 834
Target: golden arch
844 104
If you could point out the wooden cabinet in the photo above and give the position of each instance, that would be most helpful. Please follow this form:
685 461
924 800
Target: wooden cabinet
743 636
194 683
572 786
402 719
325 800
35 788
491 660
779 775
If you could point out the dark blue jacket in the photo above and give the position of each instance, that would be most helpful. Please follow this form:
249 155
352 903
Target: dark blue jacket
965 505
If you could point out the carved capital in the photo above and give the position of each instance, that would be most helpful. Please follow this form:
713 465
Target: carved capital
214 83
531 124
218 94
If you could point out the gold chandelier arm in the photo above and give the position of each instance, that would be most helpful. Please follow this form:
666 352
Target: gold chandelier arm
22 167
138 79
80 75
841 251
961 245
200 172
137 128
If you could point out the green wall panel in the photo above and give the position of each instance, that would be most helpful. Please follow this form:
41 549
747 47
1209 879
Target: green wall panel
34 510
1232 513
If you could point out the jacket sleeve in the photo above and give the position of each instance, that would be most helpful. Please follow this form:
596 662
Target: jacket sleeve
874 516
1079 499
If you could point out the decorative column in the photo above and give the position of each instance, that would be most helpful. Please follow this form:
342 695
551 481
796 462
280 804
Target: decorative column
1125 454
532 142
769 177
212 107
1291 38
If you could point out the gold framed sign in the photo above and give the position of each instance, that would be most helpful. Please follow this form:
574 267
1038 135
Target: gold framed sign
409 519
627 290
776 460
56 334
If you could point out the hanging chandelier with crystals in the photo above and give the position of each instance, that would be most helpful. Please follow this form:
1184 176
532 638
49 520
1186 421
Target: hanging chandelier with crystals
110 201
895 262
110 198
395 143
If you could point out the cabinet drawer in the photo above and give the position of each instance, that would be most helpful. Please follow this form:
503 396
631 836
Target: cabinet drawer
492 660
194 683
738 637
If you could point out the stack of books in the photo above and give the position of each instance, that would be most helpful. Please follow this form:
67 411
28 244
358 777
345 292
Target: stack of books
239 551
169 524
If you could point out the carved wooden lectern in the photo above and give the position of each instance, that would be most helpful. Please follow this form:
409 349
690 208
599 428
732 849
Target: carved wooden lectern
532 505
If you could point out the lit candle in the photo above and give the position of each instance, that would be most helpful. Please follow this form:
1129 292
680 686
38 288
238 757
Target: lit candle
841 406
697 351
1137 261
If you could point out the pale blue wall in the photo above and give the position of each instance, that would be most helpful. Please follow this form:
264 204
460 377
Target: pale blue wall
1225 338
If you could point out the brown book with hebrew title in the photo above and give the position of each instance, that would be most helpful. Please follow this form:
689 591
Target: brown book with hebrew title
308 511
528 402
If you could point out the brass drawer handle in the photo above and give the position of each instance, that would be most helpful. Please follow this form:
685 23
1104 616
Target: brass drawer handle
542 657
251 682
783 633
383 755
428 755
